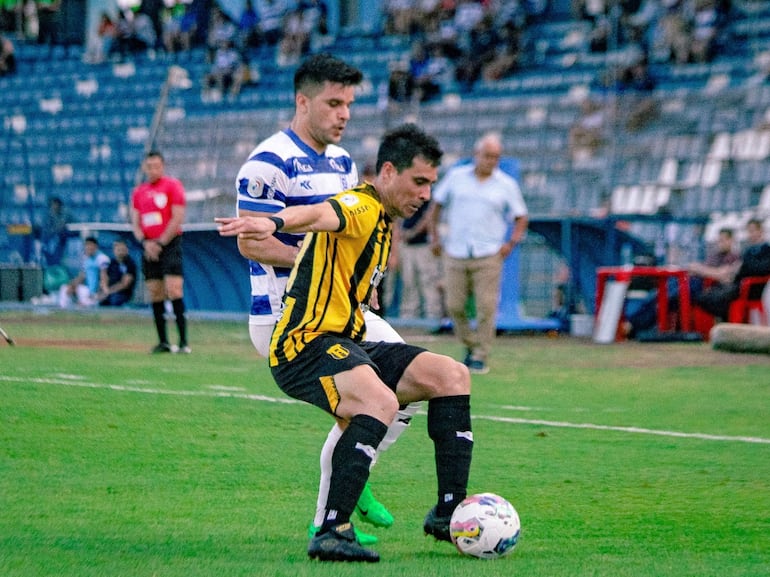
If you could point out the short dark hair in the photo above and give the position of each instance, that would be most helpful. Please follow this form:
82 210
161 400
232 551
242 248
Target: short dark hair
401 145
324 67
92 239
154 154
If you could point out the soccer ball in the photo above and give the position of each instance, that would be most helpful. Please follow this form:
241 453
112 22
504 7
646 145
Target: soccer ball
485 526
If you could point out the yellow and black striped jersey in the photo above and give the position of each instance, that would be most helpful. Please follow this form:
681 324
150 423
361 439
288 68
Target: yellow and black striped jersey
335 274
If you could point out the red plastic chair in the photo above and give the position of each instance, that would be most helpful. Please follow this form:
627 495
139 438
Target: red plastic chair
740 308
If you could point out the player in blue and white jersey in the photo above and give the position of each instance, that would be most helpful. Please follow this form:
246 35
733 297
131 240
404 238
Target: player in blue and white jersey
301 165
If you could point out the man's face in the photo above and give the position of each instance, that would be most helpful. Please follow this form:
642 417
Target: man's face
487 158
407 191
725 242
120 250
754 234
326 114
153 168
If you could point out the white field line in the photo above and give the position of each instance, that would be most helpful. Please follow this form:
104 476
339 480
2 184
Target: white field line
71 382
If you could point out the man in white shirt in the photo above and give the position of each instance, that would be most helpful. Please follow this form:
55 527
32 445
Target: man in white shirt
484 217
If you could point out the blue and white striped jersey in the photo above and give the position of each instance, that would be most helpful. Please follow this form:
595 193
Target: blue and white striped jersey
283 171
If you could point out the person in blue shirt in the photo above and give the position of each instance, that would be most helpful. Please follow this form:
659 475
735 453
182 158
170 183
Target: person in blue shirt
84 288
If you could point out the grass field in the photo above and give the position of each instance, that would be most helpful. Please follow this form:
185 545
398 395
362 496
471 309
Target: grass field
622 460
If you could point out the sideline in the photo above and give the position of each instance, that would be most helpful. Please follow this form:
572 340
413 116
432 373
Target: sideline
71 381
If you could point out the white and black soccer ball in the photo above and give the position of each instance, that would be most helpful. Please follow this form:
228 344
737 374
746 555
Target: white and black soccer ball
485 525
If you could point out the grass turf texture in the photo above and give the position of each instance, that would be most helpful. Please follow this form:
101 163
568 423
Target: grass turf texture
115 462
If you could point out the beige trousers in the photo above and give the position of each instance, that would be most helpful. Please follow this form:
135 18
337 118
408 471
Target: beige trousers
479 277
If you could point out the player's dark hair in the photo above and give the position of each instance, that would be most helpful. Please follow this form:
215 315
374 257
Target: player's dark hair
92 239
154 154
401 145
324 67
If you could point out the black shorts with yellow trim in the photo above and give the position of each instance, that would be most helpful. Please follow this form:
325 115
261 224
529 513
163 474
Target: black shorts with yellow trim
309 377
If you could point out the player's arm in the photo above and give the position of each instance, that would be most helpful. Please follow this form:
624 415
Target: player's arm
322 217
270 251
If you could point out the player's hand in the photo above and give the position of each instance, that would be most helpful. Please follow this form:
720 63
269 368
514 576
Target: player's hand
250 227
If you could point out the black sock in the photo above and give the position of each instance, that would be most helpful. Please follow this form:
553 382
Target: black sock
449 426
350 467
181 320
159 314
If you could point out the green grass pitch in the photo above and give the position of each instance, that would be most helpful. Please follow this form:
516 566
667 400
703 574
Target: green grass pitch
622 460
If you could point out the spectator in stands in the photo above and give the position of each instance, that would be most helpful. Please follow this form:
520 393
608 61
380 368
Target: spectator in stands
586 135
54 232
84 288
506 55
179 26
478 203
153 10
48 12
429 70
119 278
225 75
101 42
271 14
295 40
10 15
717 270
755 261
7 56
636 85
481 50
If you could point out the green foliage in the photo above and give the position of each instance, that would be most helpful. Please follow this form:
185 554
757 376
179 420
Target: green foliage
622 460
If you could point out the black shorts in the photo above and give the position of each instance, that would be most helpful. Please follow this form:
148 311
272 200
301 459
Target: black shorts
169 263
310 376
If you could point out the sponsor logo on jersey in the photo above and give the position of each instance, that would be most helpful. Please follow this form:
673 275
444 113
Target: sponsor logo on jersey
303 166
337 352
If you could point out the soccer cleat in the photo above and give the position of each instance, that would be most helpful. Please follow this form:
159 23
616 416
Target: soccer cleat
477 367
339 544
437 526
183 350
371 511
362 538
160 348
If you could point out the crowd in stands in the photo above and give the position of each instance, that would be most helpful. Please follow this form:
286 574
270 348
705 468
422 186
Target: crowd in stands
454 42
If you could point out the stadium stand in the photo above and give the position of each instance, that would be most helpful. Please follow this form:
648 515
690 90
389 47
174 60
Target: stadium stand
700 160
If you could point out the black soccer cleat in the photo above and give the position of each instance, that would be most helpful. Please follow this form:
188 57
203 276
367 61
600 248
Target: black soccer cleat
339 544
437 526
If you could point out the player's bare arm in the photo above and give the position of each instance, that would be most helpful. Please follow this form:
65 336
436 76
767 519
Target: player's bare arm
270 251
309 218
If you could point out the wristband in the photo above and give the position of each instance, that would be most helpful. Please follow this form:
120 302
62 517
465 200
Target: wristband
278 221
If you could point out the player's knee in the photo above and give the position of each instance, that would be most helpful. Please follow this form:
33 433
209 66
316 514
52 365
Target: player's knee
453 378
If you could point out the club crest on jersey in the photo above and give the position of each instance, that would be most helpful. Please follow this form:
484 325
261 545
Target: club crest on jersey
349 199
160 199
337 352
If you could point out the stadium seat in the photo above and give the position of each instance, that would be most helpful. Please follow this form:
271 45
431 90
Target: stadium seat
746 307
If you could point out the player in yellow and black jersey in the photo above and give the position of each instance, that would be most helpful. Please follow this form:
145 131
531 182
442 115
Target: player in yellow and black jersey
319 352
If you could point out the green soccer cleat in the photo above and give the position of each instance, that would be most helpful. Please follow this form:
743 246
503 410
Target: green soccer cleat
371 511
364 539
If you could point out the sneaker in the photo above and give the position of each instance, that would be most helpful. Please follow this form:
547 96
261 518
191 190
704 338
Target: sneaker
468 357
339 544
477 367
160 348
362 538
183 350
371 511
437 526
